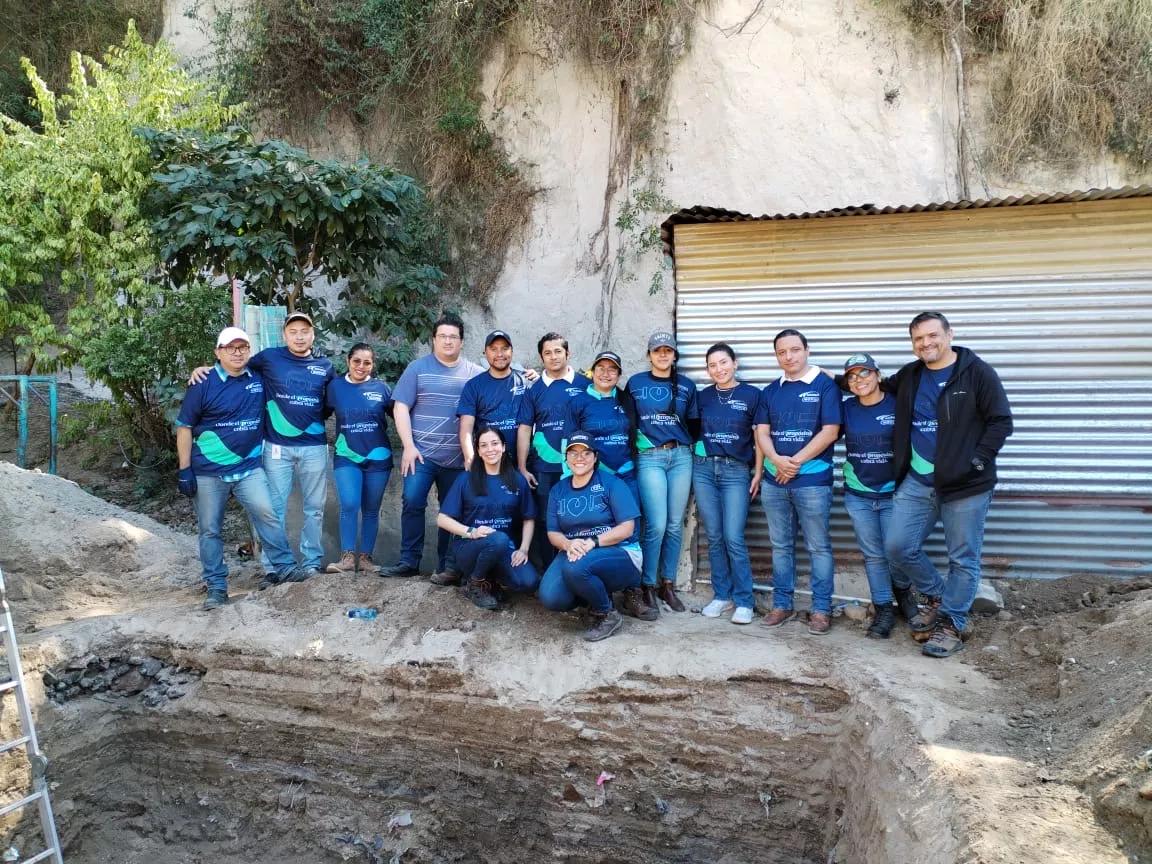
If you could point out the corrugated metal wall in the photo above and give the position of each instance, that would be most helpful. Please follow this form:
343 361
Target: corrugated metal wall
1057 297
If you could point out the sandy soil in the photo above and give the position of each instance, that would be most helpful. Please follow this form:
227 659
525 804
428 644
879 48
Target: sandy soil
1023 747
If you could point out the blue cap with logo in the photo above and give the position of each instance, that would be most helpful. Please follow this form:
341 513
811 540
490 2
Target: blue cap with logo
580 439
611 357
861 361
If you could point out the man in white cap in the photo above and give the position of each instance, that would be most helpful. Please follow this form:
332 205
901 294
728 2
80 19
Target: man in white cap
219 442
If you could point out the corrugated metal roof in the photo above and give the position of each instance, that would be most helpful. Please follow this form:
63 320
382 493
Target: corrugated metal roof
700 214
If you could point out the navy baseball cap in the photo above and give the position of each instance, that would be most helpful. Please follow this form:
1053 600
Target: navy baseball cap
497 334
611 356
579 439
861 361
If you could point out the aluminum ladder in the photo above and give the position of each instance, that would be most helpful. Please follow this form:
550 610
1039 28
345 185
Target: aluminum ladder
37 761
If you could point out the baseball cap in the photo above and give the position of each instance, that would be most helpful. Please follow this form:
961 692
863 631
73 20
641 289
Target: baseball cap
577 439
662 339
609 355
231 334
299 316
861 361
497 334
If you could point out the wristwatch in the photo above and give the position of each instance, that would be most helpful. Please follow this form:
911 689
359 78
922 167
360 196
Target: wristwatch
977 463
596 541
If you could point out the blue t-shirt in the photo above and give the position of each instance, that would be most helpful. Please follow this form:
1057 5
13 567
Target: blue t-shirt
925 422
658 425
294 396
545 407
606 421
600 506
727 422
495 402
226 415
868 470
361 423
501 508
795 411
431 391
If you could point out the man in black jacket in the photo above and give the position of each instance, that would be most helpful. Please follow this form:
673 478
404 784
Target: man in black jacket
952 418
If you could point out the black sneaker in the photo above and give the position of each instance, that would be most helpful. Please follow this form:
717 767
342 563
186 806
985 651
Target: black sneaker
269 580
906 602
215 600
604 624
401 569
632 604
300 574
883 622
480 592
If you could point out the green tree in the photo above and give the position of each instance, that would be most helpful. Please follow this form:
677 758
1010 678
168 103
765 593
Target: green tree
73 239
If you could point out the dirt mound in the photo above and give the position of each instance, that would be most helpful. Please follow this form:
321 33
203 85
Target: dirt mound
69 555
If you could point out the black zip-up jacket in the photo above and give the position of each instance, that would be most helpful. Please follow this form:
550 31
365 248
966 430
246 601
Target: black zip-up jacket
974 420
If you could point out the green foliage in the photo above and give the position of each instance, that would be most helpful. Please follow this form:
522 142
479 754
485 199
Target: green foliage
419 63
272 216
71 232
47 31
145 361
638 221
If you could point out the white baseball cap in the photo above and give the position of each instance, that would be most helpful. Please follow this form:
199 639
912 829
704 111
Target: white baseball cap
231 334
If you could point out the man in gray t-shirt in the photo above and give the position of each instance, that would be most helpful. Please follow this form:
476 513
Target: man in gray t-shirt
425 413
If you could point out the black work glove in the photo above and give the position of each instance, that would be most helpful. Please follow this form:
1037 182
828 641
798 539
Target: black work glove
186 482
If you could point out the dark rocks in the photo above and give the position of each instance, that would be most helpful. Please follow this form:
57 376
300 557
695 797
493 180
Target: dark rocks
130 683
150 678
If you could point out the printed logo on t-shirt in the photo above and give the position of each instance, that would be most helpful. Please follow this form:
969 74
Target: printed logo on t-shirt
886 419
810 396
372 396
255 387
318 370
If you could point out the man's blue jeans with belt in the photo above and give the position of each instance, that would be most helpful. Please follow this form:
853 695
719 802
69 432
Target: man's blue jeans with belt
915 509
309 467
808 508
417 486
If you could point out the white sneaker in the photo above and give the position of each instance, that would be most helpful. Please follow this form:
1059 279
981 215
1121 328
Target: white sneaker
742 615
717 608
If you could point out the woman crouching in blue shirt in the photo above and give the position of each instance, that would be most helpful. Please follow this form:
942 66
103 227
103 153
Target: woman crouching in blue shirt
491 511
591 520
362 457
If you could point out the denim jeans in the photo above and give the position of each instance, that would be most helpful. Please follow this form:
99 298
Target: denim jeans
809 508
870 518
490 558
254 496
665 480
915 509
596 576
542 549
360 493
417 485
722 500
309 467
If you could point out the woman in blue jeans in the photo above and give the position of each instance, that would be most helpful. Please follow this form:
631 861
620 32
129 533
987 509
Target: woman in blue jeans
726 475
362 456
668 422
491 512
591 521
870 480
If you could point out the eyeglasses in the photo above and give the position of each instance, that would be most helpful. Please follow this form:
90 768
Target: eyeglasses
860 375
235 349
580 454
448 337
357 361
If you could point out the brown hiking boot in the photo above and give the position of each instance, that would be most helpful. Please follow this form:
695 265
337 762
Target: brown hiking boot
946 639
604 624
648 595
481 592
632 603
924 622
365 565
666 591
819 623
445 577
777 617
346 564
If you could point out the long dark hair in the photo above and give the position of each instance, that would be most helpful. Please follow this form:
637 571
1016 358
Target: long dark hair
478 474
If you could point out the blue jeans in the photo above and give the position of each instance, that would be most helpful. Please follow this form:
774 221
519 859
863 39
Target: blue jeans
417 485
591 580
542 550
254 496
490 558
870 518
722 499
808 508
360 493
915 509
665 480
309 466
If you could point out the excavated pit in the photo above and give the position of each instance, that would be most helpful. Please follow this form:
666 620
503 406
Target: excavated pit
281 760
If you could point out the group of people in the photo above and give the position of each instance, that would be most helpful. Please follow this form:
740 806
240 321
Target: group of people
575 486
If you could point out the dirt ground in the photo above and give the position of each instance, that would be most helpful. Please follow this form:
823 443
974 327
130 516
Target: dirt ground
1033 744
